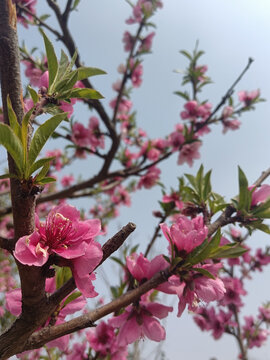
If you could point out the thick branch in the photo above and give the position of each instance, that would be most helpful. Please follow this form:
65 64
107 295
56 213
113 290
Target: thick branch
49 333
34 310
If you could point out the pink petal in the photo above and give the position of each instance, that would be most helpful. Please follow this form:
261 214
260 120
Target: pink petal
14 301
28 252
159 310
87 263
152 329
75 305
129 332
84 284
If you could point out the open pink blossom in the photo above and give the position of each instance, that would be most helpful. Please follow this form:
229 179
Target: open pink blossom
150 178
142 268
254 335
260 194
234 291
32 72
22 16
194 289
66 235
128 41
248 97
136 70
96 138
138 322
188 153
80 135
186 234
146 43
101 338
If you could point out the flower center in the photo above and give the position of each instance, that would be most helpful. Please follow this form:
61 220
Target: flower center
58 231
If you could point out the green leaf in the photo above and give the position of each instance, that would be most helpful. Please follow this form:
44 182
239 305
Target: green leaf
191 179
44 17
203 251
85 94
13 122
207 185
38 164
184 95
76 3
8 176
46 180
63 274
228 251
43 172
72 62
204 272
51 58
195 256
24 137
63 65
41 136
69 81
263 227
86 72
167 259
186 54
244 193
199 181
262 210
118 261
13 146
33 93
75 295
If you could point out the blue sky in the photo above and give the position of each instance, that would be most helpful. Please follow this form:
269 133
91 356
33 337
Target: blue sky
229 31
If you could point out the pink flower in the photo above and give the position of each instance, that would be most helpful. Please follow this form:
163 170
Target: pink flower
57 161
66 235
260 194
141 268
67 180
137 322
128 41
123 107
32 73
193 111
194 288
248 97
146 43
176 139
136 70
234 290
96 138
150 178
207 319
30 5
188 153
101 338
186 234
77 352
80 135
253 334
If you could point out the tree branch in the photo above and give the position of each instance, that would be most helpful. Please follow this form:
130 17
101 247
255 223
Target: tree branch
87 320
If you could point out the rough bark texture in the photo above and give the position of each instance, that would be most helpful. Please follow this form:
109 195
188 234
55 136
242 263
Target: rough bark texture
23 206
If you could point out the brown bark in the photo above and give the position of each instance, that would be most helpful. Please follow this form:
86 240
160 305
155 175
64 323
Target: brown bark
34 311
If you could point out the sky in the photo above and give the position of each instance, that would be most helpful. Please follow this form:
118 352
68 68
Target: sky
229 31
